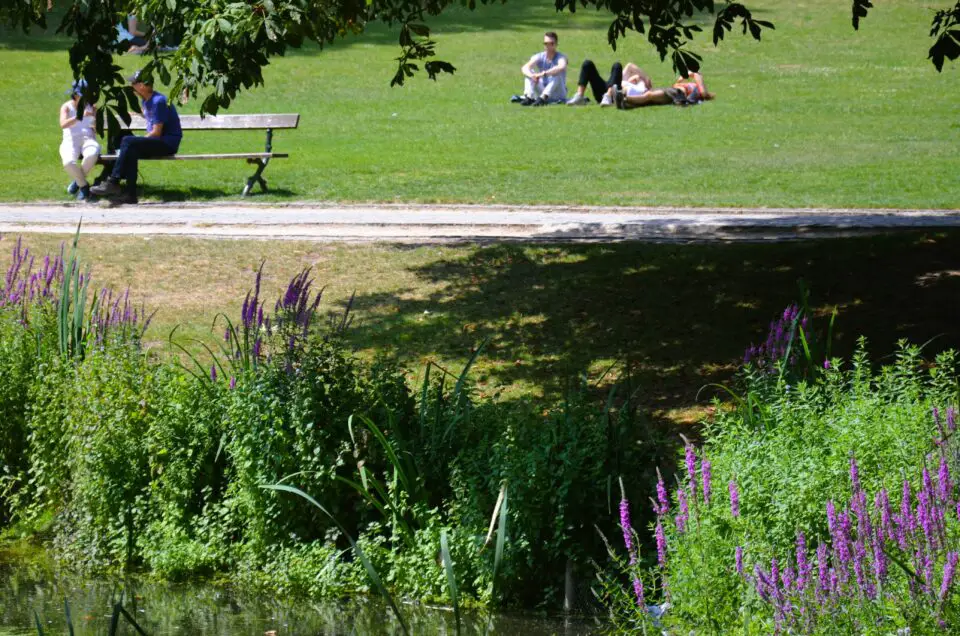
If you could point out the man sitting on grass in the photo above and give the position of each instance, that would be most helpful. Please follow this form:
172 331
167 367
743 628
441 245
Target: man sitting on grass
631 78
545 75
162 138
686 91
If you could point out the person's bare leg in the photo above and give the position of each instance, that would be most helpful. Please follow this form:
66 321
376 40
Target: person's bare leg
651 98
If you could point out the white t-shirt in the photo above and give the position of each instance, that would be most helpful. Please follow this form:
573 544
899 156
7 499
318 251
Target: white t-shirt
80 131
634 90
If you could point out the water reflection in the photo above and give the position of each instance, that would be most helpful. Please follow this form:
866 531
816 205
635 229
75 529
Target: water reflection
165 609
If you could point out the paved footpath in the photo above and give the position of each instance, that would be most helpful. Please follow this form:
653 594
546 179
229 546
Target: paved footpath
412 223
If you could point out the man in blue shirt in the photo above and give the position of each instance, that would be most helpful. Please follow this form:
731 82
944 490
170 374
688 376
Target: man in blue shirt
162 138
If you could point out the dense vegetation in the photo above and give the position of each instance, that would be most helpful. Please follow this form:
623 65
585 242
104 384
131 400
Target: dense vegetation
824 501
122 460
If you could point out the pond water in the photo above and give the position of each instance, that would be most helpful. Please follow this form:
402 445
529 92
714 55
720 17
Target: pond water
163 609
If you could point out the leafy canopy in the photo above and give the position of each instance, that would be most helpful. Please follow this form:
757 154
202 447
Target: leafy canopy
224 45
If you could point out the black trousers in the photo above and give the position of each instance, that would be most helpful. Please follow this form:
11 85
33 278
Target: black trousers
590 76
132 149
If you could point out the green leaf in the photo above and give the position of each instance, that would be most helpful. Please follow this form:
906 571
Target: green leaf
371 571
451 578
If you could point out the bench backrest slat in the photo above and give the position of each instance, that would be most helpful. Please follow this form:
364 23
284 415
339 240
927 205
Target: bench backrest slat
226 122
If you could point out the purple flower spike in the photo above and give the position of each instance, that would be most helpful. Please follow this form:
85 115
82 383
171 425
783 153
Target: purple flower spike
949 569
684 512
661 545
233 383
213 372
826 364
706 476
734 499
663 503
854 474
638 593
944 487
951 419
738 559
691 461
627 529
803 565
823 570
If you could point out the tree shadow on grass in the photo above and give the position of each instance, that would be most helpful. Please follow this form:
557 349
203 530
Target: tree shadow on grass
679 316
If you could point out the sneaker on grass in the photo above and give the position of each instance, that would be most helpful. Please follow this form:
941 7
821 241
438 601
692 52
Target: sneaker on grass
72 188
84 195
578 100
607 100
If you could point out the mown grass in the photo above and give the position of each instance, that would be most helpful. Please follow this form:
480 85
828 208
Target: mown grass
815 115
677 316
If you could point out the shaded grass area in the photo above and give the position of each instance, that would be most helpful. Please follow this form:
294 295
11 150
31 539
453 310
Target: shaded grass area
815 115
675 317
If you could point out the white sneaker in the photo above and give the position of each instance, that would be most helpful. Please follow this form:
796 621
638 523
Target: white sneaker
607 100
577 100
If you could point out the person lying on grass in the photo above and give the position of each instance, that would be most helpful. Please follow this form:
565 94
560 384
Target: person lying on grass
630 78
545 75
79 141
686 91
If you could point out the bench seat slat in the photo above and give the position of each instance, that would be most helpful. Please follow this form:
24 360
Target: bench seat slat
224 122
230 155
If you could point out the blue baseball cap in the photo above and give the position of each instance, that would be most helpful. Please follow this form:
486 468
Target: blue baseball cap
78 87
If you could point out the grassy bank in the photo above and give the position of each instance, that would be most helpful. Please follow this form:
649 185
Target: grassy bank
679 317
815 115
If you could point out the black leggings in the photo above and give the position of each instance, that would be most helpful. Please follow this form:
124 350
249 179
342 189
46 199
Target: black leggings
590 76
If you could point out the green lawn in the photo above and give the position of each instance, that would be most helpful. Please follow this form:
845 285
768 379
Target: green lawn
815 115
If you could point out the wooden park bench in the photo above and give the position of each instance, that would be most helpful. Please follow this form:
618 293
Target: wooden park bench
225 122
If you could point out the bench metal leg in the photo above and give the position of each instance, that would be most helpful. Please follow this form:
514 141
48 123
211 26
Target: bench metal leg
257 176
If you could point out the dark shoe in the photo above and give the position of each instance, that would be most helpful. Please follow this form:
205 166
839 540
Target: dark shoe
84 195
516 99
72 188
126 199
539 102
527 101
106 189
619 97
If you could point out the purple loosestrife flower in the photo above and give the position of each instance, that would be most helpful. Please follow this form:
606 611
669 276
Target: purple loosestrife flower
661 545
944 487
951 419
691 461
684 512
734 499
803 565
738 559
706 476
905 520
233 382
761 582
881 503
663 503
949 569
638 593
826 365
879 558
854 474
927 489
213 372
627 529
823 572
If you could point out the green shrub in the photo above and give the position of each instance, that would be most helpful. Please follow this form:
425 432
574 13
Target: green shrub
788 450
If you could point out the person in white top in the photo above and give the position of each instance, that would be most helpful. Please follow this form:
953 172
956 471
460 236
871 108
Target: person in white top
545 75
79 141
629 79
